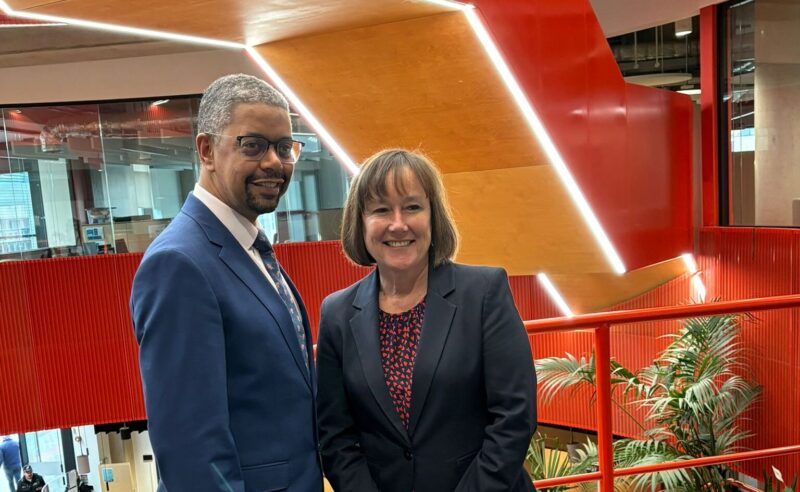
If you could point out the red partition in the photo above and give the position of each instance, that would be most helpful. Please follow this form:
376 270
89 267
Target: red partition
69 354
628 147
68 341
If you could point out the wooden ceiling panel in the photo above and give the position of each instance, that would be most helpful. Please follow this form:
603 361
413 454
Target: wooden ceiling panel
523 220
591 292
245 21
422 83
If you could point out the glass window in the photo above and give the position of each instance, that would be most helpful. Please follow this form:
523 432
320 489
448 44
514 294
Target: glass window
17 231
46 456
107 178
311 209
762 69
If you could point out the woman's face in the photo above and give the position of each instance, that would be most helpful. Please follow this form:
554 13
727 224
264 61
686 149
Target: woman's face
397 227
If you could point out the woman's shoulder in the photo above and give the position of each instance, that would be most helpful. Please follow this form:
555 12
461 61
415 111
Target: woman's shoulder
344 297
471 272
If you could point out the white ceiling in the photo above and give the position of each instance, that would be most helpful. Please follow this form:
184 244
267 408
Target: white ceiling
624 16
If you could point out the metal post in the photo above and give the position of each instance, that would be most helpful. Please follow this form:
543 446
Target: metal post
602 360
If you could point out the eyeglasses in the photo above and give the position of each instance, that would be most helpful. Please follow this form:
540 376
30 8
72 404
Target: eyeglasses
254 148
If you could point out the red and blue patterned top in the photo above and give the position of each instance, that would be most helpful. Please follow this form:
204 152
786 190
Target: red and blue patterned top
399 336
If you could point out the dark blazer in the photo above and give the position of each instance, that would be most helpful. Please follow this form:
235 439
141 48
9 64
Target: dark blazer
230 403
473 395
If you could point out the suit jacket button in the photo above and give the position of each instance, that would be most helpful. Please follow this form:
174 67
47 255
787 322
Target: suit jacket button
407 454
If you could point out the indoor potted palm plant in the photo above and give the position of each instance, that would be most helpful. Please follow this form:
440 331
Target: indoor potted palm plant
693 398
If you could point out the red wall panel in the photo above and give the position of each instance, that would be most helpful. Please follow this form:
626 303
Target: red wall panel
742 263
67 339
628 147
318 269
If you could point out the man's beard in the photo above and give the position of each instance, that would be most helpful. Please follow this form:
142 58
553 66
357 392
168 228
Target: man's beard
264 206
260 205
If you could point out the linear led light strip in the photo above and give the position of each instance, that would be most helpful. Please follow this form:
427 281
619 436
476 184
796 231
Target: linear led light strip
696 282
480 31
546 142
540 132
551 290
332 144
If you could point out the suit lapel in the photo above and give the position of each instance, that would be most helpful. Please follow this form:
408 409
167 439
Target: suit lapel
439 313
232 254
364 327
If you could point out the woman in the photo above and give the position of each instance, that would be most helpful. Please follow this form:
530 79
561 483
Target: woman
426 380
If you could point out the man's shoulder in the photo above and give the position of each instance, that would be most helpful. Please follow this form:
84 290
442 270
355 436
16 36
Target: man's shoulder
182 234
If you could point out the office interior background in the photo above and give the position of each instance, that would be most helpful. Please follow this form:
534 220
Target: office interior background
679 124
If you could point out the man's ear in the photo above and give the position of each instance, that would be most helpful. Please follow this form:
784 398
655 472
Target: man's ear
205 150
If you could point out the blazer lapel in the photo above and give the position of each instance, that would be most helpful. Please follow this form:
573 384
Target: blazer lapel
439 313
232 254
364 327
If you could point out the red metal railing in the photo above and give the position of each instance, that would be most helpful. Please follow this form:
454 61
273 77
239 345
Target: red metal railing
601 324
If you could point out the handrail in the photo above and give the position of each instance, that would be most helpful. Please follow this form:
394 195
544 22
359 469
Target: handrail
601 324
569 323
672 465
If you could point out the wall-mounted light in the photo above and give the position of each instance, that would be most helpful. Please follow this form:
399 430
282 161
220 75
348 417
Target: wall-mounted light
683 27
159 102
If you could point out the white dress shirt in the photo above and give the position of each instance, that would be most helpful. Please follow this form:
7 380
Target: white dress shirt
243 230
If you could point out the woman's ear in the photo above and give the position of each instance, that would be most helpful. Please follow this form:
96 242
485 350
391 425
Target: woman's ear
205 150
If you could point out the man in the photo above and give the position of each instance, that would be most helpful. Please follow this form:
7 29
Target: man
11 461
31 482
224 338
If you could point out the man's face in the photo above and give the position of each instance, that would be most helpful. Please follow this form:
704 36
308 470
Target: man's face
29 475
248 186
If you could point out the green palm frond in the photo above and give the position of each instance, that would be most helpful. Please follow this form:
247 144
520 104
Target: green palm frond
632 452
556 374
543 464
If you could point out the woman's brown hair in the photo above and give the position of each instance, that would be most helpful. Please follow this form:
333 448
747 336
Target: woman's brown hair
371 183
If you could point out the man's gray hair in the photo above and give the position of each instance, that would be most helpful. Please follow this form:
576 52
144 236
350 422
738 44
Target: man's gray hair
222 96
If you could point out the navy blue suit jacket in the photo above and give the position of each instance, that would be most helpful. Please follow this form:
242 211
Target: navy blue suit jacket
230 402
473 395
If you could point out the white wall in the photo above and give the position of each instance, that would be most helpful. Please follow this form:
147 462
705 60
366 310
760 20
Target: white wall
112 449
123 78
146 475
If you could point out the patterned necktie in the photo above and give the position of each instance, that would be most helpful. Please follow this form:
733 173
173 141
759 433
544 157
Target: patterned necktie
262 245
